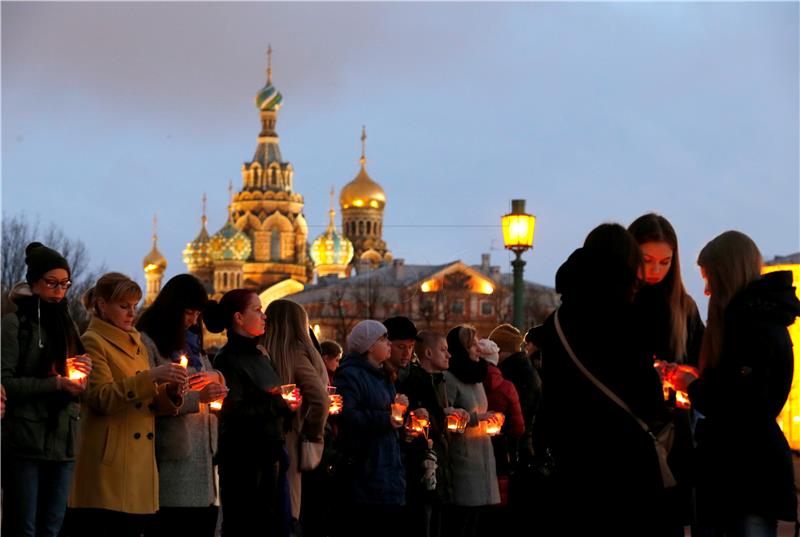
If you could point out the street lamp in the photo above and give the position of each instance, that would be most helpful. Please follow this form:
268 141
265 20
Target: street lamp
518 236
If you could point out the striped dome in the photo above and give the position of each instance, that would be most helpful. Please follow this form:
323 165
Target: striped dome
269 98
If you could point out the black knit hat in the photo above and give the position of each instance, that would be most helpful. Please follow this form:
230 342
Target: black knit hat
400 328
41 259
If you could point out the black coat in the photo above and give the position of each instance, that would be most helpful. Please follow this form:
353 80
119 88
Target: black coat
252 415
654 326
745 465
607 467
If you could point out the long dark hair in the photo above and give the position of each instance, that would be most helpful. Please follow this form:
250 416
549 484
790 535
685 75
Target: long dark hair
163 320
286 333
653 227
218 316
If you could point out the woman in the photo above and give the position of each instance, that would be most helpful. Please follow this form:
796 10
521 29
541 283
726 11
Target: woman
331 354
670 325
471 454
40 431
115 491
373 487
746 479
186 443
607 467
671 330
250 457
297 361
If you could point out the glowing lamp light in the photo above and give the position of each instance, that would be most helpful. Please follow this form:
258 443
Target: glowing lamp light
789 418
317 330
518 227
426 287
486 288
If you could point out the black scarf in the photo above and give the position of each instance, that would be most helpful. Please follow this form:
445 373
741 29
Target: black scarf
60 338
461 365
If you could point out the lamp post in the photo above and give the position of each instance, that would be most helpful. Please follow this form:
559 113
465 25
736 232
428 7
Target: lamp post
518 228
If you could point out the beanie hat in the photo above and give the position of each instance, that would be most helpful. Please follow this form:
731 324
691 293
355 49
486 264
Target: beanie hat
508 338
400 328
489 350
41 259
364 335
535 335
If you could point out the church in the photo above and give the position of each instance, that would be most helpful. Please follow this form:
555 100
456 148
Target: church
264 246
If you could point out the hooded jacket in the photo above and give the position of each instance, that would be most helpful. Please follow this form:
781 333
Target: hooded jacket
745 461
366 434
41 422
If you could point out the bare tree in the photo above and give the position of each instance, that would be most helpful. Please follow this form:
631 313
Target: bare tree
344 320
18 232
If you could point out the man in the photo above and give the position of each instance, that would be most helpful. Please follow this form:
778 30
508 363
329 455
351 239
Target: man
402 334
427 395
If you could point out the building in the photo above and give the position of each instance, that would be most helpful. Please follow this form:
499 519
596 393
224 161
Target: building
435 297
265 238
154 264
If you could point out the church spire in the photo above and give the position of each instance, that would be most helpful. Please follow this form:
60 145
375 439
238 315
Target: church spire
155 230
203 218
230 200
363 159
269 64
332 212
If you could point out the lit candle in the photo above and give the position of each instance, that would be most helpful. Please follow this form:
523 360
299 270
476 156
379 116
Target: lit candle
336 404
215 405
398 409
184 361
72 372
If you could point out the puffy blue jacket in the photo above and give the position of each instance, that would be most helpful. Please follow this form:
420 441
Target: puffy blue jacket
376 474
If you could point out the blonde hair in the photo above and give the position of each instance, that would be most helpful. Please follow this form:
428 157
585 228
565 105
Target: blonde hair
653 227
287 336
730 262
427 339
111 287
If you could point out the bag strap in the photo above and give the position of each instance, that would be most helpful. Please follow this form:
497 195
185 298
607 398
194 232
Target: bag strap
667 477
603 388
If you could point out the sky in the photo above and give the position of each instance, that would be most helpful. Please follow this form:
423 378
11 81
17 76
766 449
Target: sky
591 112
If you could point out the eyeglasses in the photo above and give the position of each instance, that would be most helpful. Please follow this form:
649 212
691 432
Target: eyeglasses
52 284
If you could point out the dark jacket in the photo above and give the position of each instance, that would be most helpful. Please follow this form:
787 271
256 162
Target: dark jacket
251 419
519 369
428 391
654 326
41 422
745 465
366 434
607 465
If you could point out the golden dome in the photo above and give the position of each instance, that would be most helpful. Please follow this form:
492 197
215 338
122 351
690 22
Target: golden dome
154 260
362 192
331 252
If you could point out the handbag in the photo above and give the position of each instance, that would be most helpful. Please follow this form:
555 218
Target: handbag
662 442
310 455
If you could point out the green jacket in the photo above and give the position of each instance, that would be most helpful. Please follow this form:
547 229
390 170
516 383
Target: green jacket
40 421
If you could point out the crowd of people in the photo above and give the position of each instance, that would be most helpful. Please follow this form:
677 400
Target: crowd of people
620 414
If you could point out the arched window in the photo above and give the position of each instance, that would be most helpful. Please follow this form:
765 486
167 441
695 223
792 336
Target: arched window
225 279
275 245
369 227
360 227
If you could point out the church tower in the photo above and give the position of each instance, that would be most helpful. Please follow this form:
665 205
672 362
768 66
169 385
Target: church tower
362 201
154 265
267 209
330 251
197 254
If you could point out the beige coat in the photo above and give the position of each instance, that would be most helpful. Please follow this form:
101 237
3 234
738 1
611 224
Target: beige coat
116 466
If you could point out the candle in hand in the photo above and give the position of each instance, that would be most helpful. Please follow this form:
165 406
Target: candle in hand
184 361
215 405
72 372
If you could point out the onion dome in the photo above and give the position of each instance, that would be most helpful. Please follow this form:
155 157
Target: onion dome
154 261
362 192
198 252
230 244
268 97
331 252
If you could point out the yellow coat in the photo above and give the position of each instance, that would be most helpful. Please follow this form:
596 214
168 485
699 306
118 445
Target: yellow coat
116 465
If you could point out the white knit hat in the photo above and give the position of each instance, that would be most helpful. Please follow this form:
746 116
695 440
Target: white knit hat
489 350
